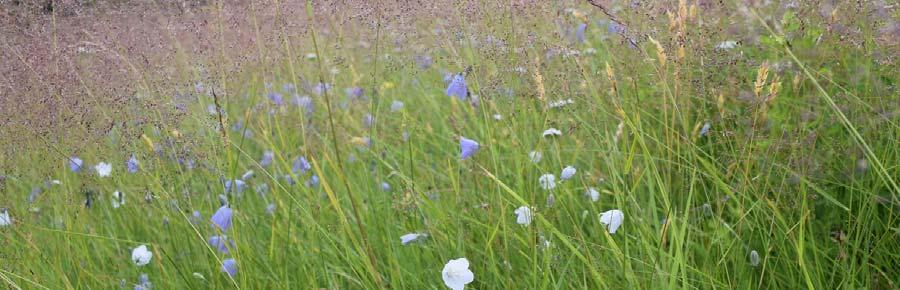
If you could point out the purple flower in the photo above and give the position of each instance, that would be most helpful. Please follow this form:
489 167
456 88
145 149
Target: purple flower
195 217
615 28
458 88
276 98
579 32
354 92
289 180
321 88
304 102
368 120
385 186
239 185
222 218
423 61
132 164
75 164
229 266
448 77
301 164
267 158
221 243
467 147
143 283
288 87
313 181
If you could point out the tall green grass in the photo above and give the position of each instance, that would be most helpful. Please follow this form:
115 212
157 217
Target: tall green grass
799 163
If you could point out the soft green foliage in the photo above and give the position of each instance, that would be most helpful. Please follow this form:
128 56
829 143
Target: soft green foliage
804 173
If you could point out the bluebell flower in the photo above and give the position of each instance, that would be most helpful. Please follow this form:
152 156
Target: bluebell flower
262 189
222 218
196 217
143 283
313 181
396 106
385 186
132 164
705 130
229 266
221 243
423 61
267 158
458 88
615 28
567 173
467 147
35 192
247 175
354 92
270 209
368 120
276 98
321 88
301 165
238 184
448 77
288 87
75 164
289 180
304 102
579 32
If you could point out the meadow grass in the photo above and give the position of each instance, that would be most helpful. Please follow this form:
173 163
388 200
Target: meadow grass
781 148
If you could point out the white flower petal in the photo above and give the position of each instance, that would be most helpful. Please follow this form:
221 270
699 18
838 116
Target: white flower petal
523 215
612 219
552 132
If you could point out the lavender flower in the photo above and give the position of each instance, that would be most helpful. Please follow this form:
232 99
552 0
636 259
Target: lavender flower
313 181
567 173
222 218
75 164
143 283
221 243
705 130
288 87
267 158
321 88
229 266
196 217
304 102
458 88
354 92
276 98
301 164
396 106
467 147
579 32
423 61
237 184
368 120
132 164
